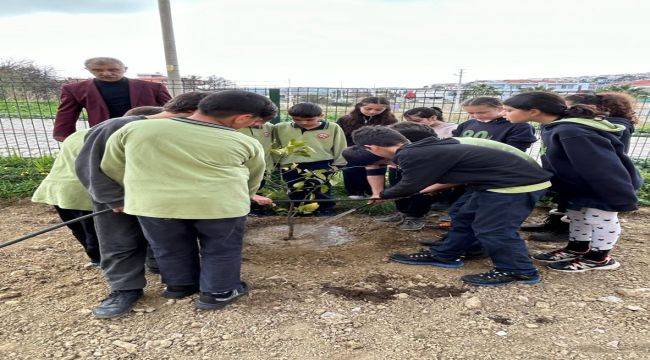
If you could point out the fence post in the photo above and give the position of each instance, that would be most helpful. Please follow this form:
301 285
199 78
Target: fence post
274 95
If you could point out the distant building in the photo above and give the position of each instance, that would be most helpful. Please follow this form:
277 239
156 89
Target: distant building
154 77
514 86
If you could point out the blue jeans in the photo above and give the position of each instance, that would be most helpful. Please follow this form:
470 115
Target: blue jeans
174 243
491 219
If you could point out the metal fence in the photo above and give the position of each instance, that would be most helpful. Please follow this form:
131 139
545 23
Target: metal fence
27 110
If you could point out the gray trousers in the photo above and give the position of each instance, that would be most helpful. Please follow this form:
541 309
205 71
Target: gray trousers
124 250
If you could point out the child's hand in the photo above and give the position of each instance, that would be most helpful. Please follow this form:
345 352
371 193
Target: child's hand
262 200
118 209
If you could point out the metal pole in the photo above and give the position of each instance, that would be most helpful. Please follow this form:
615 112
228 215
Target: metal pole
53 227
173 75
459 87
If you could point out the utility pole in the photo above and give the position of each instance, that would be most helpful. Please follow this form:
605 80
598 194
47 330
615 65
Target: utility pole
173 75
459 89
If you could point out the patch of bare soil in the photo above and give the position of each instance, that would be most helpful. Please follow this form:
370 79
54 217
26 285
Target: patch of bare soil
324 301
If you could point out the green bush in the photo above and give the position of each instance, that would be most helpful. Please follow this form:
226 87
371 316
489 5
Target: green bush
19 177
644 192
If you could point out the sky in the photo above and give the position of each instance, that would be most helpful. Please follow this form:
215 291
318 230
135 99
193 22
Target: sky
351 43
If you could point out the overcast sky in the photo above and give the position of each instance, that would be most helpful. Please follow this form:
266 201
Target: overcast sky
329 43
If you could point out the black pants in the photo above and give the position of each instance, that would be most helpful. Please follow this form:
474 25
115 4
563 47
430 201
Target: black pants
310 185
356 182
491 219
124 248
83 231
415 206
213 262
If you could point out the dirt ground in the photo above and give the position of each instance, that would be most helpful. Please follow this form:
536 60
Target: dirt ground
331 302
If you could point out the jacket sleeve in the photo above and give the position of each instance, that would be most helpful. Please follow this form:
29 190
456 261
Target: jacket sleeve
66 115
102 188
521 136
418 173
162 95
256 168
114 160
594 158
458 130
339 145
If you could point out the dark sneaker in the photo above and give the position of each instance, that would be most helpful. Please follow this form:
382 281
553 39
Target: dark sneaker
553 222
426 257
495 277
179 292
558 255
439 206
326 212
581 265
559 237
117 304
392 218
412 224
475 254
208 301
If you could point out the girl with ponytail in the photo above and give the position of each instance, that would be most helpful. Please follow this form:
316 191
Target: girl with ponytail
431 116
591 172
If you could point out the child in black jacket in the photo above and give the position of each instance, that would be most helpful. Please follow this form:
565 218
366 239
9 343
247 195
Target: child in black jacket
503 185
592 174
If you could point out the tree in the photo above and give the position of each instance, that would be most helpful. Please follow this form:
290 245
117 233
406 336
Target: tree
24 79
637 92
535 88
479 90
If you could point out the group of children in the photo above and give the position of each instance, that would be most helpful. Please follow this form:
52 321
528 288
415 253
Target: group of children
189 171
502 183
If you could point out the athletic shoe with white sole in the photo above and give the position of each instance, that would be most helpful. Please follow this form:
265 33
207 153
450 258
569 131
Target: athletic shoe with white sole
559 255
581 265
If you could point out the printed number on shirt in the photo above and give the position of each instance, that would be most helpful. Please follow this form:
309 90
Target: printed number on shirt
481 134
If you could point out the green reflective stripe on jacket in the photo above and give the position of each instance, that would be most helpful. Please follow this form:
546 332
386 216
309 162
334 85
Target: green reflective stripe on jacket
603 125
522 189
61 187
494 145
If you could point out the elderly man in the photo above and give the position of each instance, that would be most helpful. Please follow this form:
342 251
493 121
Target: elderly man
108 95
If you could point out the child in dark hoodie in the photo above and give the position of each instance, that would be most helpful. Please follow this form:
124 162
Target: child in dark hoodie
592 174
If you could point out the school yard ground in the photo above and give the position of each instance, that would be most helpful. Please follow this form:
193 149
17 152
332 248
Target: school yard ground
324 302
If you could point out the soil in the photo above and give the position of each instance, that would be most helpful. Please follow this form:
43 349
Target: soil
321 299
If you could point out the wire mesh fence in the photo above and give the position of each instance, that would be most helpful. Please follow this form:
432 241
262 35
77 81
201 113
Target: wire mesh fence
28 109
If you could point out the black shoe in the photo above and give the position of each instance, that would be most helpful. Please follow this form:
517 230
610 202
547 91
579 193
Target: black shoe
117 303
475 255
325 212
553 222
179 292
553 237
208 301
426 257
440 206
495 277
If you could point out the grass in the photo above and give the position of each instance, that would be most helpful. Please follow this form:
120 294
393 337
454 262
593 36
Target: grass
19 176
36 109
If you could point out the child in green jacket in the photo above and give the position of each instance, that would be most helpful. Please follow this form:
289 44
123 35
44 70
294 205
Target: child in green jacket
327 142
194 177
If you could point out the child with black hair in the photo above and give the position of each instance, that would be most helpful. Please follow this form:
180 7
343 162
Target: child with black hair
486 122
431 116
574 141
373 110
412 210
503 185
619 109
325 139
195 180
